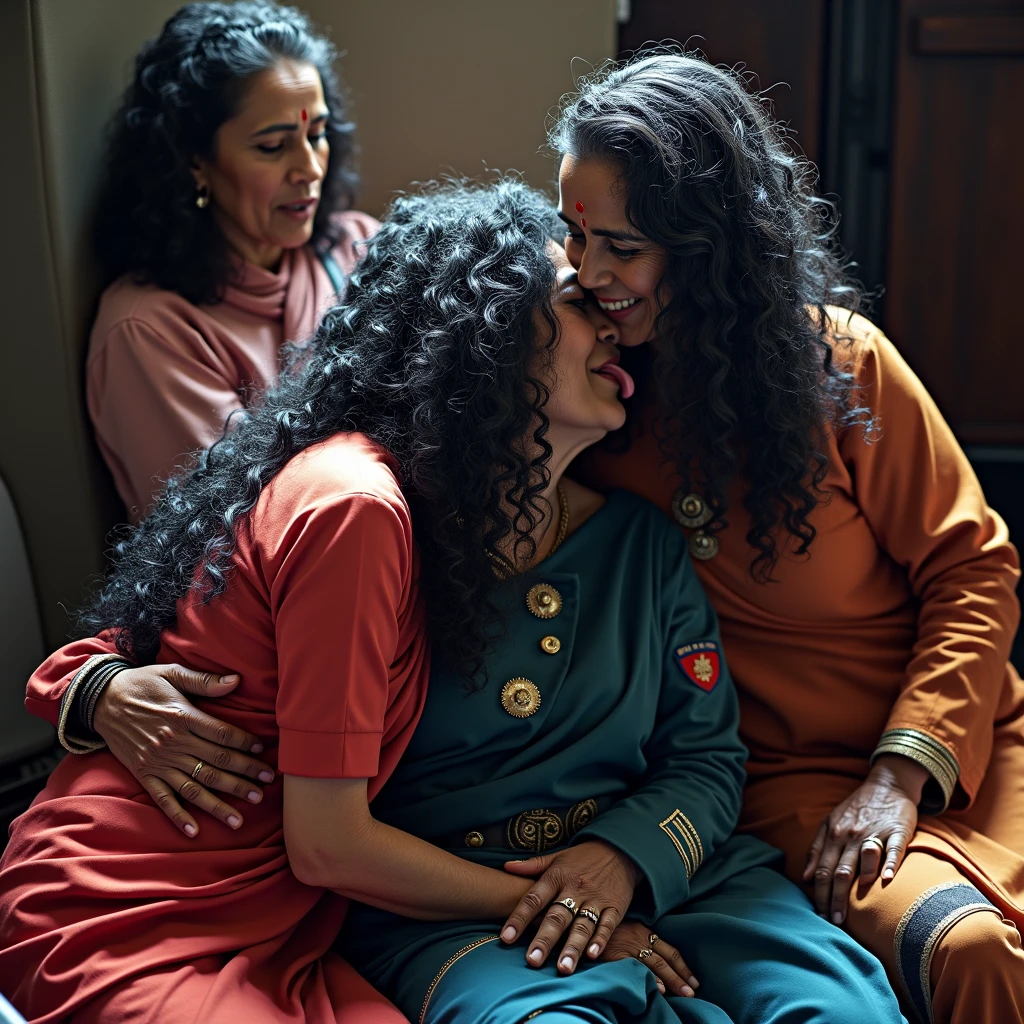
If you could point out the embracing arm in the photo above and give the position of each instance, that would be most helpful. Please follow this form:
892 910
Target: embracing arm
688 801
333 841
923 502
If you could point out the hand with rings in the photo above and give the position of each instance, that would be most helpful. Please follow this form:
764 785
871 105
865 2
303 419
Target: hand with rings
585 889
635 939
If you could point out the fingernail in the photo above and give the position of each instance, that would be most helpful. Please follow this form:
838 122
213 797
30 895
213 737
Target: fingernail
190 830
266 776
509 934
661 986
256 748
887 873
565 963
685 990
694 983
536 955
254 796
234 821
594 949
837 918
233 678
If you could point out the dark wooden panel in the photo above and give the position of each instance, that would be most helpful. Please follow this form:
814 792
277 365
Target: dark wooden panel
956 262
970 34
781 42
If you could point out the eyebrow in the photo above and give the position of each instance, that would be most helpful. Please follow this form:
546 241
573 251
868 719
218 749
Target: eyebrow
270 129
619 236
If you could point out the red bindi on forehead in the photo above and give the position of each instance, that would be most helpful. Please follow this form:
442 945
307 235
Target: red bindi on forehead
305 116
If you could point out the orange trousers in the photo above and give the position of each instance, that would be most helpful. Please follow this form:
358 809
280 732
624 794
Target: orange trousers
948 926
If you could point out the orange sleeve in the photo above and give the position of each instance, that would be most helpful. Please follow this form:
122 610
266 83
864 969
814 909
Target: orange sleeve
339 579
925 506
50 681
153 401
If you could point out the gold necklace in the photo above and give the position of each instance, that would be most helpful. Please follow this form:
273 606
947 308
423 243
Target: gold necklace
505 564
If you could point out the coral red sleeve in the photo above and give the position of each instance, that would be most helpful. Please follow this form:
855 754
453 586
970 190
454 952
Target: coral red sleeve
47 684
341 573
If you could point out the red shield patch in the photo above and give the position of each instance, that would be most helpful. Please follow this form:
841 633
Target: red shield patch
700 663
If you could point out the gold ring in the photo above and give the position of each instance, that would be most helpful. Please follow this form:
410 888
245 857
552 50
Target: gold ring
591 914
198 768
874 841
652 940
569 903
644 954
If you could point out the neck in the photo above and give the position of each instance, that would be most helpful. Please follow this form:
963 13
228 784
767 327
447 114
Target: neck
563 451
262 254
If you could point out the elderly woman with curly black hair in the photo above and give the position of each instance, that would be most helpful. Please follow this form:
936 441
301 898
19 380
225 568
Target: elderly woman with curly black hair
224 230
866 591
408 484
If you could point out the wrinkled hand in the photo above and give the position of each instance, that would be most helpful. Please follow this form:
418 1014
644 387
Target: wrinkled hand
884 805
666 962
159 737
594 874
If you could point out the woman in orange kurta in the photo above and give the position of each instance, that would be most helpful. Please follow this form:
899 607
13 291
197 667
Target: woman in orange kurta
224 231
866 591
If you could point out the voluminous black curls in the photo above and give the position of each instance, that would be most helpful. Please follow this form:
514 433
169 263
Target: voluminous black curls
188 82
744 363
433 356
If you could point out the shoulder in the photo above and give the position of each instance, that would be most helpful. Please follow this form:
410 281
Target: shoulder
859 346
127 308
355 225
346 479
640 524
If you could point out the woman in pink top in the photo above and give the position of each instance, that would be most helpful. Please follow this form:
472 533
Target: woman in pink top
223 229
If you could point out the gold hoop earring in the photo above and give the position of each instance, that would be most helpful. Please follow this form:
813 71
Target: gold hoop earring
203 197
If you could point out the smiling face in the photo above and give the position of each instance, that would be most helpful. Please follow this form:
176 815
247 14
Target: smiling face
618 264
583 377
269 162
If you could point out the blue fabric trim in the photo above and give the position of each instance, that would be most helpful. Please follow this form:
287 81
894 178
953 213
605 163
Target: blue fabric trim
926 921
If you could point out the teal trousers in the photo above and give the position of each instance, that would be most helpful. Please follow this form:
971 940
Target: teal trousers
760 952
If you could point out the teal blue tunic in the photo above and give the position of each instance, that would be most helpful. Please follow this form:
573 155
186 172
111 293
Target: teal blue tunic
638 714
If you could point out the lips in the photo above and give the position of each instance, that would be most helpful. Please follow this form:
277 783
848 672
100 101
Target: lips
615 373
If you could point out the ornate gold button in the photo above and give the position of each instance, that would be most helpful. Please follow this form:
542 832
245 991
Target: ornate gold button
520 698
551 645
536 831
703 545
474 840
544 601
690 510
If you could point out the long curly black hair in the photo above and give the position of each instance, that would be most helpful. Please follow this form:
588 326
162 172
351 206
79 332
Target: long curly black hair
438 355
743 360
188 82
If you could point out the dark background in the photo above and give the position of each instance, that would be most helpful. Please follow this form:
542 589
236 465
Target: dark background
912 110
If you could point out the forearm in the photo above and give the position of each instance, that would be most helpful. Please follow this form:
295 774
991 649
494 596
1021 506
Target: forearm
390 869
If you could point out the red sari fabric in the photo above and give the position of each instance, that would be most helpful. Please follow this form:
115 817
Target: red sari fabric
107 911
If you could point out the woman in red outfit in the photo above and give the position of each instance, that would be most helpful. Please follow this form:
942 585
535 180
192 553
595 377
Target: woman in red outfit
313 550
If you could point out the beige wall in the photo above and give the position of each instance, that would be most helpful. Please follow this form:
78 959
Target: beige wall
459 85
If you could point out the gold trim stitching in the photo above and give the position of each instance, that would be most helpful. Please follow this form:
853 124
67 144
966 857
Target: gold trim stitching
927 752
677 826
454 958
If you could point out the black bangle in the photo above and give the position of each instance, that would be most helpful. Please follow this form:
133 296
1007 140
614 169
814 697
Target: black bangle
83 704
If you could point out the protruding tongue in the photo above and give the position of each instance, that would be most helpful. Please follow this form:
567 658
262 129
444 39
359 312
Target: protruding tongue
616 372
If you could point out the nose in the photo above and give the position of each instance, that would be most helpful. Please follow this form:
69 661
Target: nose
307 165
606 328
591 274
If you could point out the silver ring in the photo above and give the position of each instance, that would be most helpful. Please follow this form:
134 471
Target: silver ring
591 914
569 903
874 841
644 954
198 768
652 940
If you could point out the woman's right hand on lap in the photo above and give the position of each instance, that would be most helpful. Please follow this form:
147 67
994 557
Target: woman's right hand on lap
667 963
157 734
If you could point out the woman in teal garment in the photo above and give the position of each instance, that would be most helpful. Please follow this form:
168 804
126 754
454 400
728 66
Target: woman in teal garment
579 707
609 715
